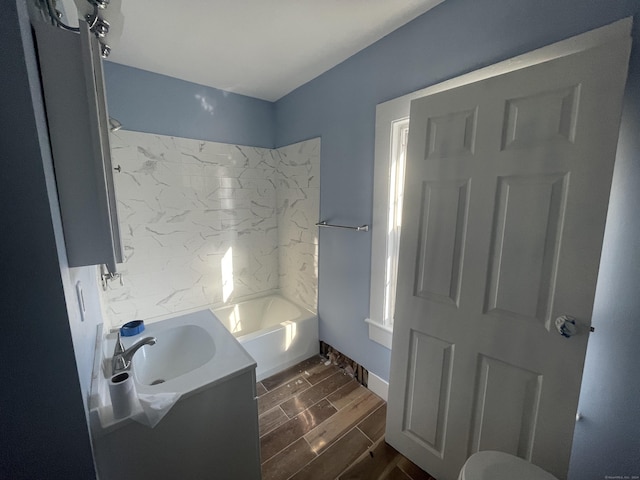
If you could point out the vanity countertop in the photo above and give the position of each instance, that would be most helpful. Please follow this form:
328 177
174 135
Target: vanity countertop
229 360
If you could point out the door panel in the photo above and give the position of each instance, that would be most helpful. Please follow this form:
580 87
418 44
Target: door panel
530 246
507 185
433 384
507 427
542 118
451 135
442 233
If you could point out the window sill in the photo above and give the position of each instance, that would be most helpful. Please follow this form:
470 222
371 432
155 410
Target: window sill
379 333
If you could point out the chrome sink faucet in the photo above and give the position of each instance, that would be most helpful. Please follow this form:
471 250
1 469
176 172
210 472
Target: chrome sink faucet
121 360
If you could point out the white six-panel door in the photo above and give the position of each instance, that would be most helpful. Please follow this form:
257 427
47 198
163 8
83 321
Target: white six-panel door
507 187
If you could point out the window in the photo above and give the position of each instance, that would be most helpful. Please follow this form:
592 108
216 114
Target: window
399 136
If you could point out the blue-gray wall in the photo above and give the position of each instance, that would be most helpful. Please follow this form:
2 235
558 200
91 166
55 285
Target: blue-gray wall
607 440
42 420
148 102
456 37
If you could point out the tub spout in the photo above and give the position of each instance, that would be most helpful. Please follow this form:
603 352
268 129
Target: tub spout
121 360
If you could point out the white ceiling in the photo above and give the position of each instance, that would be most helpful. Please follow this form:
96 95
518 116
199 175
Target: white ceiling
260 48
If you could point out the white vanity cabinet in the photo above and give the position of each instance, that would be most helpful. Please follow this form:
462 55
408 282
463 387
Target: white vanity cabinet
209 432
78 121
212 434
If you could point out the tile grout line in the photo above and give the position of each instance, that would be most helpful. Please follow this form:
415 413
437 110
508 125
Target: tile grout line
271 430
313 404
305 465
296 375
365 418
354 426
291 418
318 455
279 452
356 399
365 435
340 388
390 466
407 473
290 397
337 439
301 411
330 403
360 456
303 436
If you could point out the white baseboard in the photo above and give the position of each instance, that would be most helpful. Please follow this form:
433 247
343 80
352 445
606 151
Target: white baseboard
378 386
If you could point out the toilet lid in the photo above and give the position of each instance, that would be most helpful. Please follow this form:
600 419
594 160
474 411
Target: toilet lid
489 465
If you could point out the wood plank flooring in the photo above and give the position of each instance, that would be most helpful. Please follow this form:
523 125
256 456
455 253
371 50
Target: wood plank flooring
316 423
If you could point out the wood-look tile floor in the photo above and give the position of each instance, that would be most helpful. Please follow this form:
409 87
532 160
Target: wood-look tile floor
316 423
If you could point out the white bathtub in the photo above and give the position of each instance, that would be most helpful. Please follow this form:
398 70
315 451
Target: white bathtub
275 332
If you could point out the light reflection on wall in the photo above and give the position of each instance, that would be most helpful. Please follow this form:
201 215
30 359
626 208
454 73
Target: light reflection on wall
226 265
205 104
315 257
235 321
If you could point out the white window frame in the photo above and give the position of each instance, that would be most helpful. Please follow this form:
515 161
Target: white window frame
397 110
383 240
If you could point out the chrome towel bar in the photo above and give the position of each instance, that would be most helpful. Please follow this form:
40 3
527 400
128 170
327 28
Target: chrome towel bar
361 228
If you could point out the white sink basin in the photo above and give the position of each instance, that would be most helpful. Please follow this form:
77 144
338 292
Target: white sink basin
178 350
193 352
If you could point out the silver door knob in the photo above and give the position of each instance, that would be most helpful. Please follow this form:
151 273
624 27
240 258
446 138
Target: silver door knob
566 326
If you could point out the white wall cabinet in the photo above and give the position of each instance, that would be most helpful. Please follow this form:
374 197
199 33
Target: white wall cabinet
78 120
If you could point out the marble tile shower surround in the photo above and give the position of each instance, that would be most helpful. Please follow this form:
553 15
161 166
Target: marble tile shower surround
298 206
205 223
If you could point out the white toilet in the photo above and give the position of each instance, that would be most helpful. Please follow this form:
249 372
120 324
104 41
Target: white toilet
490 465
